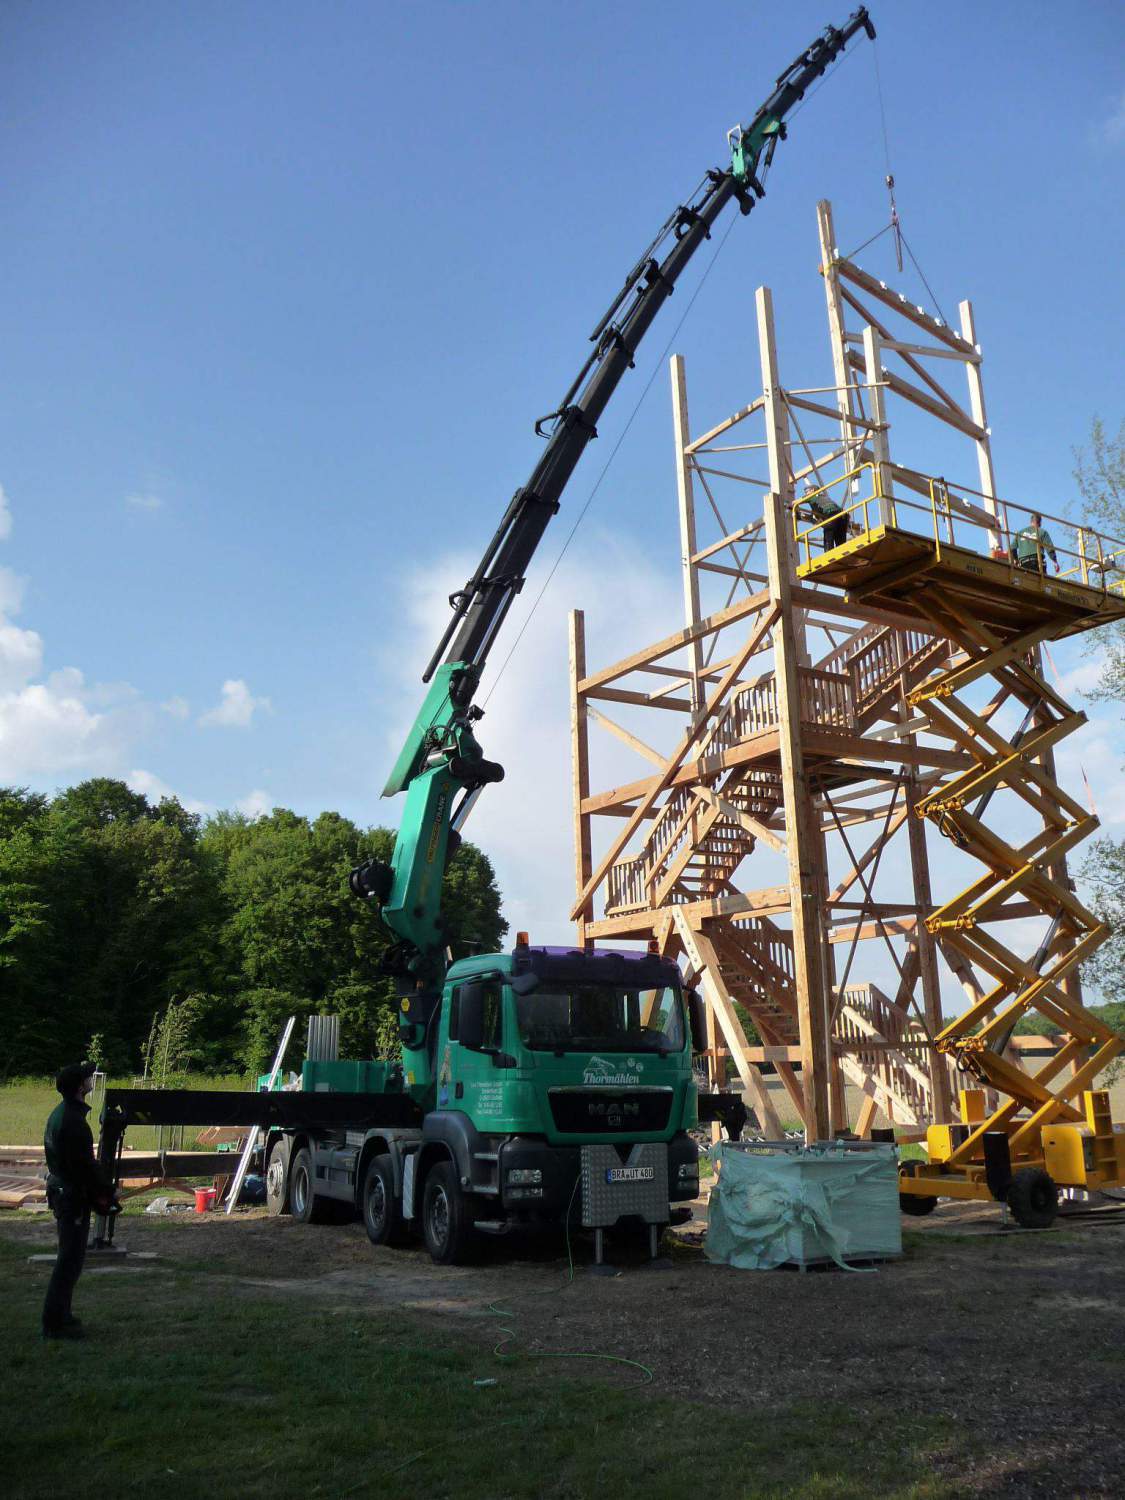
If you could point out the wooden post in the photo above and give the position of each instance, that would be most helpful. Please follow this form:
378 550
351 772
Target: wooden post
688 546
880 443
837 1094
846 394
580 766
983 443
800 832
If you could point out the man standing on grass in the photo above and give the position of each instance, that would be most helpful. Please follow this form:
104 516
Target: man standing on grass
75 1185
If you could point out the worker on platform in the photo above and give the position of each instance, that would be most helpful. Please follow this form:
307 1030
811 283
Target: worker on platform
1033 545
824 508
75 1187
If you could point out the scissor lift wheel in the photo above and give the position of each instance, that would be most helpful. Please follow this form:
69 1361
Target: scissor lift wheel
911 1203
1033 1198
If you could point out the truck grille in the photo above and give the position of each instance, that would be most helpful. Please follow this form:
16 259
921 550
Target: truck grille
610 1111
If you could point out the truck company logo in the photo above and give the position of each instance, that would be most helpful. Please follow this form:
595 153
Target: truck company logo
613 1112
599 1070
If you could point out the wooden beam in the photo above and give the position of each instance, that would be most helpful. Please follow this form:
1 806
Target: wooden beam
800 831
676 760
580 767
705 961
643 750
686 500
619 798
900 304
708 626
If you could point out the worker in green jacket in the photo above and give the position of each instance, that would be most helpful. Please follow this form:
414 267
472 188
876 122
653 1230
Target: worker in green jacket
1033 545
825 509
75 1187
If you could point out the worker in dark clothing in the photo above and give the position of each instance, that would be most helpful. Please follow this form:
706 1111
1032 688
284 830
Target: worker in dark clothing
825 509
75 1186
1033 546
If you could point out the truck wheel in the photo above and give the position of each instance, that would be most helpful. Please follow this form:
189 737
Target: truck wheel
304 1204
910 1203
382 1217
1033 1198
446 1225
277 1179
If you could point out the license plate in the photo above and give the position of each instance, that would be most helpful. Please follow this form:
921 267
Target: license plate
630 1174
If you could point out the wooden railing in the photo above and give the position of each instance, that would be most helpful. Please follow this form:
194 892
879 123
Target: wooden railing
896 1055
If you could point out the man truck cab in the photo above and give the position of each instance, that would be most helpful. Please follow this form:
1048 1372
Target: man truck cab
552 1085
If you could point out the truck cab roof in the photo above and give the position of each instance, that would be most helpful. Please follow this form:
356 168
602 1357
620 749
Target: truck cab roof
562 965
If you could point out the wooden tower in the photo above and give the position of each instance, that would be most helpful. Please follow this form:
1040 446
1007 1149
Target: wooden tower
821 707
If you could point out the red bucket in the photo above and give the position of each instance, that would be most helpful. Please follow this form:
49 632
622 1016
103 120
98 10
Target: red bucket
204 1199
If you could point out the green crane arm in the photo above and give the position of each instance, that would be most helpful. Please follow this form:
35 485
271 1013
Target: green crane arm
441 767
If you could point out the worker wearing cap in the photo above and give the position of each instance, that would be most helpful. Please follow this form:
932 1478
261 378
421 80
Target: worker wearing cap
1033 545
825 509
75 1186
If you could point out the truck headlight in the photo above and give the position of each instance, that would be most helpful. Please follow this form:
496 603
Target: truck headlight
687 1170
523 1177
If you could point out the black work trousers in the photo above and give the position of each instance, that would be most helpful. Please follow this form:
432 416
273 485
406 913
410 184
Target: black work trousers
74 1230
835 532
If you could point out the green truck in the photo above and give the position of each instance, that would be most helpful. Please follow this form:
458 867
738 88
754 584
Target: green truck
533 1058
544 1084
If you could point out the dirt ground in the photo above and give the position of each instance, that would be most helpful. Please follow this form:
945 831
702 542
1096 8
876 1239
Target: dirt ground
1017 1337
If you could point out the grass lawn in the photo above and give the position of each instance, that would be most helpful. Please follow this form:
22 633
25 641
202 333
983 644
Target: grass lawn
25 1104
194 1384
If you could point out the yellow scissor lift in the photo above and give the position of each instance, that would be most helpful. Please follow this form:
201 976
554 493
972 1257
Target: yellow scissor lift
1050 1130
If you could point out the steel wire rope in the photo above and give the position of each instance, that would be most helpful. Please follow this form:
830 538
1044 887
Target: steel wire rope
890 182
835 68
608 463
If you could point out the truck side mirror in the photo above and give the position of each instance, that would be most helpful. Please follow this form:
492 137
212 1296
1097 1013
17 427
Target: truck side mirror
697 1015
470 1016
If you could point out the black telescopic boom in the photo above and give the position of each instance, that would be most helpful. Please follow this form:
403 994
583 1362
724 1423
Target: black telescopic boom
480 608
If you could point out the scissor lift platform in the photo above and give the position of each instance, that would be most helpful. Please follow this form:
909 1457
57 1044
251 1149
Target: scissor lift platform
1037 1132
893 568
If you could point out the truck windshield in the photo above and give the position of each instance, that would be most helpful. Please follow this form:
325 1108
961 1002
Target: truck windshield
601 1018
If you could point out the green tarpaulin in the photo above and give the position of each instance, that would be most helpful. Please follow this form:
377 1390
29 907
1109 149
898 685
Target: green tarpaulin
794 1206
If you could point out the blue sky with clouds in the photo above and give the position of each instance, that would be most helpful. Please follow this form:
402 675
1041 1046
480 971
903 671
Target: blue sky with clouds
286 285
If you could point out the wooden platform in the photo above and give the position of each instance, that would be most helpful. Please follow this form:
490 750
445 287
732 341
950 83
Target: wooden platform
891 569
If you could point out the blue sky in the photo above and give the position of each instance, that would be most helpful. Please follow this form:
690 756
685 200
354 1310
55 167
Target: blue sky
286 285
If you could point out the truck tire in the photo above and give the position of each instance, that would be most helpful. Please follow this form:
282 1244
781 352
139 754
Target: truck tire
1033 1198
277 1179
447 1225
382 1214
304 1204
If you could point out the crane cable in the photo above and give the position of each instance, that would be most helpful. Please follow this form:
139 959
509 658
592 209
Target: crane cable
895 225
613 454
839 63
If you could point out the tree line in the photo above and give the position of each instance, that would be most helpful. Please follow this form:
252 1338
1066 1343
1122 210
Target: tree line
113 908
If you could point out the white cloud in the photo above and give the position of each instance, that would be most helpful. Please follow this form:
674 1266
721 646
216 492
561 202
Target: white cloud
1095 753
256 804
144 502
179 708
1083 678
235 708
11 592
1111 130
525 823
56 725
152 787
49 727
21 656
